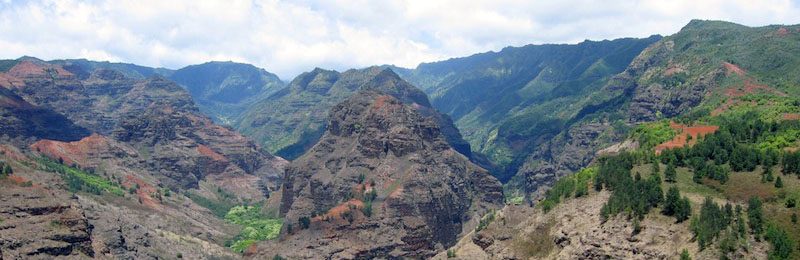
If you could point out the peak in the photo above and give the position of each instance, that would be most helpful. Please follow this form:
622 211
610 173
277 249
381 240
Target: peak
696 24
29 58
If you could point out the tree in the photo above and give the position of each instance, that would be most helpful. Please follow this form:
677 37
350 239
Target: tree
684 210
7 170
755 215
778 182
656 167
670 175
671 201
781 243
304 221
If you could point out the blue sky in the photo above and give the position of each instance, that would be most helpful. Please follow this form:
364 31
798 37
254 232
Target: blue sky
289 37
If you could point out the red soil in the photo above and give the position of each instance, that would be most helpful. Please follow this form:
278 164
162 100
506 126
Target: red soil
12 153
336 212
791 116
733 69
29 68
72 152
206 151
750 86
680 140
26 68
144 191
8 81
783 31
380 102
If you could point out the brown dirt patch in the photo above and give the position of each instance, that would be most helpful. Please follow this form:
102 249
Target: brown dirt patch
791 116
681 139
733 69
12 153
76 152
206 151
144 192
783 32
336 212
9 82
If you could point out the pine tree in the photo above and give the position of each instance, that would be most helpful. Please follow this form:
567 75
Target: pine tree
7 170
755 215
778 182
670 175
671 201
684 210
656 168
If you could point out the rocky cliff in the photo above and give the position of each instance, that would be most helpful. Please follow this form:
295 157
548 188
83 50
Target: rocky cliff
381 182
145 166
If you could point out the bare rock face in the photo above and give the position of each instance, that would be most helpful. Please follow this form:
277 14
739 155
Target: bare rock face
145 136
20 120
38 224
155 117
381 182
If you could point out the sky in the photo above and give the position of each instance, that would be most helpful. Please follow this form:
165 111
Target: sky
290 37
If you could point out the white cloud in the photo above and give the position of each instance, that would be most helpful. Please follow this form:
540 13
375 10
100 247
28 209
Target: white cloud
294 36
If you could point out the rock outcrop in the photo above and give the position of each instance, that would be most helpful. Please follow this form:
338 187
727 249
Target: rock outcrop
381 182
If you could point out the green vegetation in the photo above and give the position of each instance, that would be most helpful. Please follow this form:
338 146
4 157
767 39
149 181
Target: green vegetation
632 195
255 226
651 134
685 255
782 245
451 253
676 206
576 184
220 207
711 221
755 214
5 169
81 180
485 221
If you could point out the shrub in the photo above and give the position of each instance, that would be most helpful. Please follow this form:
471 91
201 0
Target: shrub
304 221
685 255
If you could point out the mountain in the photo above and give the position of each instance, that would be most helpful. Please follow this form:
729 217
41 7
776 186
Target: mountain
224 90
381 182
291 121
110 166
705 69
507 103
706 118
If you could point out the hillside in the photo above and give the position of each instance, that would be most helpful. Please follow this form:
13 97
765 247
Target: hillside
98 164
687 76
507 103
710 116
224 90
381 182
